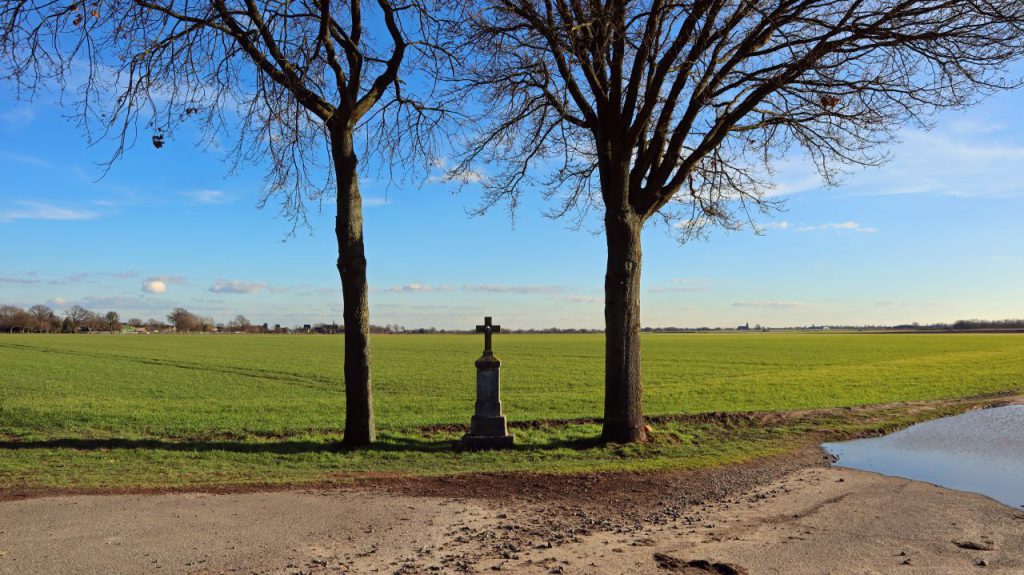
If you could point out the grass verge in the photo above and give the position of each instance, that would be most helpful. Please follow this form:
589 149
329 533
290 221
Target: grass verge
684 442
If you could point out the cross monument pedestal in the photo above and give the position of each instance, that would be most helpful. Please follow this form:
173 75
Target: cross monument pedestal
488 429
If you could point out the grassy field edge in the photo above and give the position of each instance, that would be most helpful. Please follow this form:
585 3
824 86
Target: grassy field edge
686 442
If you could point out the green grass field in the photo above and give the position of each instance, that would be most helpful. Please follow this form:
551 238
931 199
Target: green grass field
107 411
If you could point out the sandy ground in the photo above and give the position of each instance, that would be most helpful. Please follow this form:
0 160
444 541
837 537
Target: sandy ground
810 521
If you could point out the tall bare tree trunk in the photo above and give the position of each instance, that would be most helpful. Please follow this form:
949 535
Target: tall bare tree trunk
623 397
359 424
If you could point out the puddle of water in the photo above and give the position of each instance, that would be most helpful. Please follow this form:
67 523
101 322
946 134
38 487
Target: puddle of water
981 451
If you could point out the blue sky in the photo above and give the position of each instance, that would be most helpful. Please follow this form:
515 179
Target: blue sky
936 235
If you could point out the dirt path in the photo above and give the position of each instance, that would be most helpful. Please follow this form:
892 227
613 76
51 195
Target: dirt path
812 520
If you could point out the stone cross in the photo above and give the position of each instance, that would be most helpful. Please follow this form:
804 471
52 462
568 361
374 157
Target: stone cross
488 429
487 329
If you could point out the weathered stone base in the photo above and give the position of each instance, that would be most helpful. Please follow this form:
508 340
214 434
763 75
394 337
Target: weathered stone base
480 442
488 425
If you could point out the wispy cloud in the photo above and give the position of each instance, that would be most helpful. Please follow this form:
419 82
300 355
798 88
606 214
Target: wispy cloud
43 211
17 117
668 289
169 280
683 285
583 299
771 304
18 281
373 201
415 287
848 226
795 178
236 287
513 289
961 158
457 175
90 276
211 197
158 284
490 288
24 159
122 303
465 176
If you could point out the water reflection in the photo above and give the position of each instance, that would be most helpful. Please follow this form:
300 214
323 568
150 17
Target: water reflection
980 451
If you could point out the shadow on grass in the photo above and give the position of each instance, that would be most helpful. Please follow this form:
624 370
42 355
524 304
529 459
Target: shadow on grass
383 445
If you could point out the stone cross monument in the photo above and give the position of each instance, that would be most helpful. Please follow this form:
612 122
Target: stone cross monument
488 429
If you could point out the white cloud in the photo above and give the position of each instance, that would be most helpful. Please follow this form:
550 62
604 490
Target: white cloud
460 176
465 176
969 126
678 289
847 225
520 289
24 159
771 304
236 287
43 211
18 281
158 284
850 226
512 289
91 276
794 178
971 156
372 202
169 280
965 162
212 197
415 287
583 299
58 301
683 285
17 116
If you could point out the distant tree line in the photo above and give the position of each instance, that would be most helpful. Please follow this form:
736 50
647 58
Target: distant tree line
75 319
41 318
989 324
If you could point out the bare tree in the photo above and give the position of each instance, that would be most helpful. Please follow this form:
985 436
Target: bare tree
112 321
13 318
240 323
301 86
153 324
77 316
207 324
44 318
680 108
94 322
184 320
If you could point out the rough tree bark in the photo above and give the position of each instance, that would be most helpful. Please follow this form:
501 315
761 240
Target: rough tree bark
359 423
623 389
